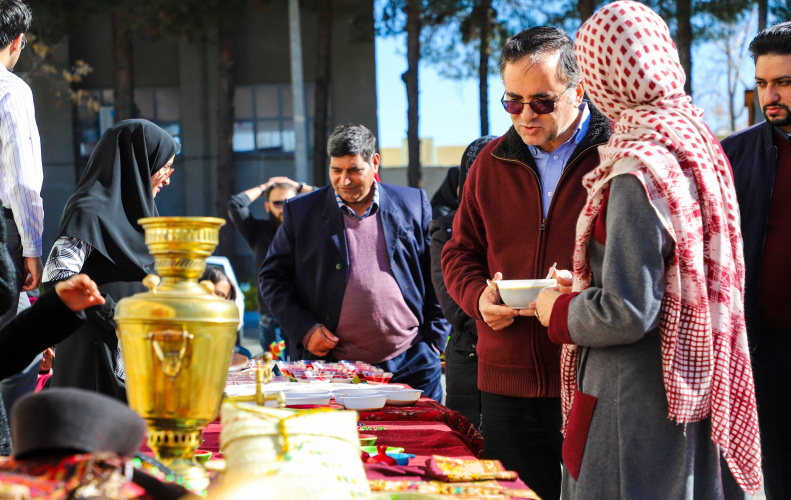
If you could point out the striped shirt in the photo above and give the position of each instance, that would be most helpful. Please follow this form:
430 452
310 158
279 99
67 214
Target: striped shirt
21 172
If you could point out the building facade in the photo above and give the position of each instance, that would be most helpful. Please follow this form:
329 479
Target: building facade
176 86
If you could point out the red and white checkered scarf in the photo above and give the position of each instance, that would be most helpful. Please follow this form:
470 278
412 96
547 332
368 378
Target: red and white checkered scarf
632 73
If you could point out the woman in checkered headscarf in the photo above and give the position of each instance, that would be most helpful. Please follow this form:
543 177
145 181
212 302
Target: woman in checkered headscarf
657 381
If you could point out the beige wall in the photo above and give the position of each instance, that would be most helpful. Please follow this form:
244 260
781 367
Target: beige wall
430 156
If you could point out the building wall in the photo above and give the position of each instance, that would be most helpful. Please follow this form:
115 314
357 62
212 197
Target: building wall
262 57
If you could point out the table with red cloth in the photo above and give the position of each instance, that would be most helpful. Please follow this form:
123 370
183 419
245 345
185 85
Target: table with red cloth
424 429
457 434
428 410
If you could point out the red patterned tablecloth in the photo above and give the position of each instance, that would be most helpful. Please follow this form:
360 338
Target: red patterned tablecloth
428 410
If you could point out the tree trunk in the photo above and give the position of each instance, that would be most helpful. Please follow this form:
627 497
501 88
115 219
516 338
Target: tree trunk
684 39
483 65
410 78
225 114
585 9
732 76
322 113
763 13
123 91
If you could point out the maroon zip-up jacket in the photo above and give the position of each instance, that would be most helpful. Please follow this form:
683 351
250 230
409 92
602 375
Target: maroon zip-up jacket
500 227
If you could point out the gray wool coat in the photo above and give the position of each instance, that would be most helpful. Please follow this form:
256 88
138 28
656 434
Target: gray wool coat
633 451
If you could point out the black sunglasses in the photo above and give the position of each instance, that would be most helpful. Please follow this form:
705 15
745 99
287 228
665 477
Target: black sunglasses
541 107
277 203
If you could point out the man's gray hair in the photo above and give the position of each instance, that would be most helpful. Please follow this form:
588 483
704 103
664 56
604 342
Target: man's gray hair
352 140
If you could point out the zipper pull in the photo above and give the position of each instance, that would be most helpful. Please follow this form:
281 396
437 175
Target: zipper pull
543 224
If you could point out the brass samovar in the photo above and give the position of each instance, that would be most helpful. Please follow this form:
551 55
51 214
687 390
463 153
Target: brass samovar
177 340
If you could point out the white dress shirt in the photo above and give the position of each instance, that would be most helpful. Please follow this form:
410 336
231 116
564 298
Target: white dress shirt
21 172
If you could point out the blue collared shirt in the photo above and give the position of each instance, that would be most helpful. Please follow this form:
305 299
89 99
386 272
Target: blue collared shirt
551 165
369 211
782 133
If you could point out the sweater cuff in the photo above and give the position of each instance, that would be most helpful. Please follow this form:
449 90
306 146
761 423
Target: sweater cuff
559 321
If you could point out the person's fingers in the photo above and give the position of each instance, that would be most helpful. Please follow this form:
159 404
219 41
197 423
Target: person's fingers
497 276
29 284
564 277
329 336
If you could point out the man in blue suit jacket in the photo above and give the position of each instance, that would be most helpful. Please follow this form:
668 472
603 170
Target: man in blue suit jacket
348 273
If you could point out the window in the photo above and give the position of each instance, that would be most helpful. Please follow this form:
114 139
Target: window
264 118
161 105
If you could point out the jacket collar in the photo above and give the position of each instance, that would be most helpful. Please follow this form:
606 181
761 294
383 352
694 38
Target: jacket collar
513 148
388 212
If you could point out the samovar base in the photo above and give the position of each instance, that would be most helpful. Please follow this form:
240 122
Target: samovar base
176 449
195 476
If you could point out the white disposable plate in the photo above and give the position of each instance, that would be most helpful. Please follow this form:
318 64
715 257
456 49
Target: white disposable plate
364 403
389 387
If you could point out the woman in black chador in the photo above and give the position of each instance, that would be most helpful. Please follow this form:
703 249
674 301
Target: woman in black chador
99 236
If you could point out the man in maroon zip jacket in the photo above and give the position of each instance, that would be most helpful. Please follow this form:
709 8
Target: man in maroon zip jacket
517 216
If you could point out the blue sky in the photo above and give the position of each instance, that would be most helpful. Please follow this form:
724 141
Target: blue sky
449 108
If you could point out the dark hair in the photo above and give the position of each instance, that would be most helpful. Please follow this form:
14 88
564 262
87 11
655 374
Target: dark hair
352 140
539 41
282 185
15 17
216 275
775 40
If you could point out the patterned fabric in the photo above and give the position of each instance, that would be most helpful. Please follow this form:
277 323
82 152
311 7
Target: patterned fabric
428 410
66 258
632 73
369 211
478 489
73 477
458 469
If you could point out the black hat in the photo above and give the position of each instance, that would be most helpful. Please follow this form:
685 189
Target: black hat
76 421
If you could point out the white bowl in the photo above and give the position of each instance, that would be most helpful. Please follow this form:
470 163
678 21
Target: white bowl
354 389
364 403
518 294
389 387
404 397
339 395
308 398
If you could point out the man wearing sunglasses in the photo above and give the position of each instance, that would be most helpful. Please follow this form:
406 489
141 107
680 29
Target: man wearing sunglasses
258 234
517 216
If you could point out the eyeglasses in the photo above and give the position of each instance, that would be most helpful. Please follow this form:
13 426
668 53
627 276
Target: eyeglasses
540 107
24 41
278 203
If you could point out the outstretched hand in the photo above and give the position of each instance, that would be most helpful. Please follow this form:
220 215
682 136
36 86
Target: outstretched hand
79 292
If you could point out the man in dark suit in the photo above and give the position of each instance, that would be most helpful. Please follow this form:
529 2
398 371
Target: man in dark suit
348 273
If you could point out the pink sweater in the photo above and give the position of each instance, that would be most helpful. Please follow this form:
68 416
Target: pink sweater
375 322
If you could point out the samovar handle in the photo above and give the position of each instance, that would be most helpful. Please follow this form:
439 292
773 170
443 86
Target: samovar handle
172 360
